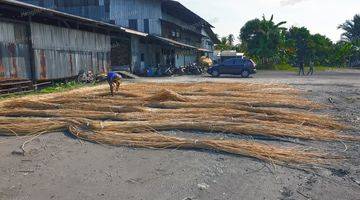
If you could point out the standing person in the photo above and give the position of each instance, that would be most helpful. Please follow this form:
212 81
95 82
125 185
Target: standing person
114 80
301 68
311 70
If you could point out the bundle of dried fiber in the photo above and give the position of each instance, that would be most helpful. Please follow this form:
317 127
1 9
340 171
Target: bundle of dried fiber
38 105
210 86
283 116
63 113
26 126
277 155
274 114
264 102
104 107
120 94
167 95
99 101
243 95
245 128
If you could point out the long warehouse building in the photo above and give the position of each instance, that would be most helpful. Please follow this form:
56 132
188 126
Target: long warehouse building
43 44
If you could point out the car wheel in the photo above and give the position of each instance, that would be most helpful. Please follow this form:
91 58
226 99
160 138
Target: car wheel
215 73
245 74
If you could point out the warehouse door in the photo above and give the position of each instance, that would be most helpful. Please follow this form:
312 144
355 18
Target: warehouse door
120 54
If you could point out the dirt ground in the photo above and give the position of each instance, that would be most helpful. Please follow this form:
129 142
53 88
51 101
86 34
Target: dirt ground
58 166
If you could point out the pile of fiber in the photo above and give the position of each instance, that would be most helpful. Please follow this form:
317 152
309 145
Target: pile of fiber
139 114
167 95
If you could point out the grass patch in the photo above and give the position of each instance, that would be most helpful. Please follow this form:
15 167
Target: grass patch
58 87
290 68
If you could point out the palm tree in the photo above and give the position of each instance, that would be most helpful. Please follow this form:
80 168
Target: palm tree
262 38
352 29
223 45
231 40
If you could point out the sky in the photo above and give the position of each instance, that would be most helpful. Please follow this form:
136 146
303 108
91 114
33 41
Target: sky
319 16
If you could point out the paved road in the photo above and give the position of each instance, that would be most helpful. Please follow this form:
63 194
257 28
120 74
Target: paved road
60 167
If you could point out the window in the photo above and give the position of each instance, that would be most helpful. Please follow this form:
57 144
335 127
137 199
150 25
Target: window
229 62
142 57
157 57
239 62
107 6
133 24
41 3
146 26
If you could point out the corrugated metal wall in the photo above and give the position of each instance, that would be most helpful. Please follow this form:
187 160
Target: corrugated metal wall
62 52
42 3
185 57
123 10
14 51
93 9
148 51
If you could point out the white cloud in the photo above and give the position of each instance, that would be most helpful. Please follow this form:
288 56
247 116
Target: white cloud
290 2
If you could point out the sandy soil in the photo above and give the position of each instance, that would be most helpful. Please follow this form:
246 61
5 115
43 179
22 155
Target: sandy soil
58 166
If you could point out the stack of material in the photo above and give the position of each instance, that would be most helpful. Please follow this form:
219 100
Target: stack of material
8 86
139 114
205 61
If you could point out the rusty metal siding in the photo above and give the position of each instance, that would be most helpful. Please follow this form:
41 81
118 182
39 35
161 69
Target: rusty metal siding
62 52
14 51
58 38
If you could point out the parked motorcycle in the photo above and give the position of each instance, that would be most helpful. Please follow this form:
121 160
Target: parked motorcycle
178 70
193 69
86 77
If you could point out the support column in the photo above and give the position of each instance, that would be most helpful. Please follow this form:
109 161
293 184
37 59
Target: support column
31 51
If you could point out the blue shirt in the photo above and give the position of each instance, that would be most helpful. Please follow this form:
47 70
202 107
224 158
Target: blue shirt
112 76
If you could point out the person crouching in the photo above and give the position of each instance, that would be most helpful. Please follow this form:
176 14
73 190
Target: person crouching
114 80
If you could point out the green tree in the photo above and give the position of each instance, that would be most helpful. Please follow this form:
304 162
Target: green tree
231 40
262 38
352 29
342 53
321 49
223 44
299 41
351 36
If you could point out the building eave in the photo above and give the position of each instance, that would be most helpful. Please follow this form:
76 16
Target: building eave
172 42
178 10
182 27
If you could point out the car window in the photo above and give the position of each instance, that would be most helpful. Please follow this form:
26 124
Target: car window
228 62
239 61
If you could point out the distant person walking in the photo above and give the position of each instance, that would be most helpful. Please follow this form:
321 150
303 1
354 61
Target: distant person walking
311 70
301 68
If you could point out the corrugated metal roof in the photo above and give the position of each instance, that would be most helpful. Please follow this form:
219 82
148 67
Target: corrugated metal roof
172 42
55 12
133 32
70 16
205 50
179 10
